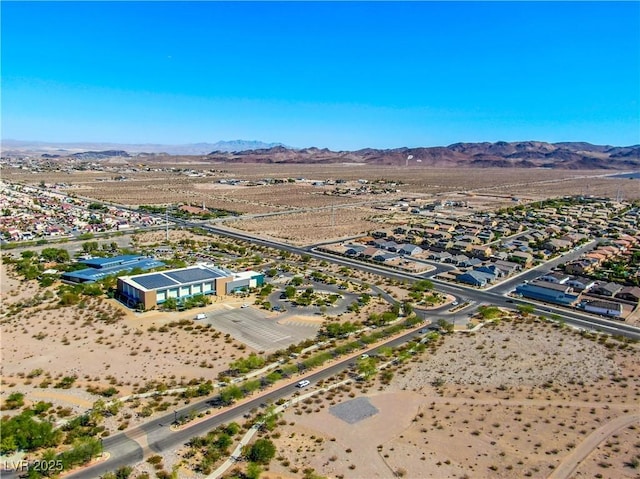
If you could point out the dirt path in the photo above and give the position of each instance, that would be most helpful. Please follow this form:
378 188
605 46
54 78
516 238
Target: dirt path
62 397
579 454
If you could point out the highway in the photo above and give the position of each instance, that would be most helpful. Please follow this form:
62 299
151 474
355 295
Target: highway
495 296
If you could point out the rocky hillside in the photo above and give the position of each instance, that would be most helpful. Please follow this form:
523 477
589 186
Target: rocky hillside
526 154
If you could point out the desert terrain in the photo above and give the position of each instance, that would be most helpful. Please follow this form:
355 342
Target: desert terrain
303 213
514 399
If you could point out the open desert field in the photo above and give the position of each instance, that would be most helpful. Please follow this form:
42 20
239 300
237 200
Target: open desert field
305 213
313 226
515 399
161 187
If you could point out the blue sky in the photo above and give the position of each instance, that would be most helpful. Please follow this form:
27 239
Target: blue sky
327 74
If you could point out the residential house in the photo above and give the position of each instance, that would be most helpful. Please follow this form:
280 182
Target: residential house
384 257
483 252
485 236
557 244
443 256
629 293
581 284
490 269
509 267
582 266
557 278
470 263
457 259
607 289
475 278
409 249
521 257
370 252
354 250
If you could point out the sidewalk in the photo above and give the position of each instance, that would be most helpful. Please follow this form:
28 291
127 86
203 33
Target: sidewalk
237 452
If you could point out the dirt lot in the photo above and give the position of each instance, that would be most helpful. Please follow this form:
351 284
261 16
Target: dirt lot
312 227
512 400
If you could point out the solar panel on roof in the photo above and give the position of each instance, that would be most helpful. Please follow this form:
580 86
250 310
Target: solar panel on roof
154 281
193 274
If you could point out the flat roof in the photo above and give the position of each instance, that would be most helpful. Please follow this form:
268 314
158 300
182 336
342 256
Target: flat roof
176 277
96 274
155 281
114 261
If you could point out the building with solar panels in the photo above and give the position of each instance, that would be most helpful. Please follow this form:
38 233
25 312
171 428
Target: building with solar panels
152 289
99 268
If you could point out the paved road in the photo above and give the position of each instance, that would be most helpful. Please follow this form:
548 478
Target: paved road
569 464
125 448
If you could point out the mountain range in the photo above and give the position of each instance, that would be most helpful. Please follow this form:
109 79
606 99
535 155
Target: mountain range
524 154
57 148
501 154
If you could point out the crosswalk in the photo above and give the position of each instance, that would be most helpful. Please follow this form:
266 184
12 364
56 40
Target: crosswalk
304 324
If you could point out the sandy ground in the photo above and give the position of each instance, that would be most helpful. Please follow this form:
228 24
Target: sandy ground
314 226
516 399
103 344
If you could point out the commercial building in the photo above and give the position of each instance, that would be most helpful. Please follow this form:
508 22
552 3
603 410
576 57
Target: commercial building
99 268
549 292
606 308
152 289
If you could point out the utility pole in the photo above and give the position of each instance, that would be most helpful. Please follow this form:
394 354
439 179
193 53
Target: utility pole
333 217
166 221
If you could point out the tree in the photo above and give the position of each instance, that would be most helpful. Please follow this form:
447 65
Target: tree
55 254
261 452
366 367
89 246
230 394
270 418
297 281
170 303
253 471
445 325
290 292
526 309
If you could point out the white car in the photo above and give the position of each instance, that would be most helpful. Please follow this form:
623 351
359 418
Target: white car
245 305
455 303
303 384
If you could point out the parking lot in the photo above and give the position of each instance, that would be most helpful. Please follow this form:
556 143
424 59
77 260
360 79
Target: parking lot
251 327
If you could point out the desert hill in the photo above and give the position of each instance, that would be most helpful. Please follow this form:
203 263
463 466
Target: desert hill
501 154
527 154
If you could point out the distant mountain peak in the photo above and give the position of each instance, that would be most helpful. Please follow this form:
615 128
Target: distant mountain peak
243 145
